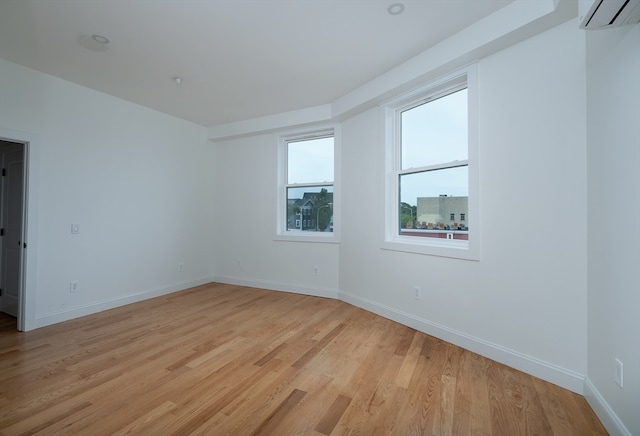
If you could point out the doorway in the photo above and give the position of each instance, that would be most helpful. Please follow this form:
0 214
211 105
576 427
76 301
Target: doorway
12 243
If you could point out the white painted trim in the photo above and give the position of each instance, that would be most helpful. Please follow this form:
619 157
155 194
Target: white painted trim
270 123
283 287
280 232
27 306
466 77
538 368
603 411
77 312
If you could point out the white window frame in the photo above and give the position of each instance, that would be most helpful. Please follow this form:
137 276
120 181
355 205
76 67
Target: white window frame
281 232
391 110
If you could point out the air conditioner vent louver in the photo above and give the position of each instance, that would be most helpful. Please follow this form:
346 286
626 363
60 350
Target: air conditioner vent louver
598 14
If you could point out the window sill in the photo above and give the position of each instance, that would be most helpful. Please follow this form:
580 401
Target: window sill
317 237
456 249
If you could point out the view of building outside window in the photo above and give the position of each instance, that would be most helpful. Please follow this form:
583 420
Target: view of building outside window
433 178
309 189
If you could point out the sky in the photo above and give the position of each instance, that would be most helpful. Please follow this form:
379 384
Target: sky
435 133
310 161
432 133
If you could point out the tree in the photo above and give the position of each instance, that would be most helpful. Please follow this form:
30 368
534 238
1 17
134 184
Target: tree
407 213
322 210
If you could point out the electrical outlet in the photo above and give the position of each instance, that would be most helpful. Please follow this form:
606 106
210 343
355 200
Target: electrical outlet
619 377
181 266
238 264
73 286
417 292
315 270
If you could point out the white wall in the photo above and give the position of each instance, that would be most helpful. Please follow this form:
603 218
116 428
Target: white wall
613 137
524 303
246 186
138 182
527 294
149 192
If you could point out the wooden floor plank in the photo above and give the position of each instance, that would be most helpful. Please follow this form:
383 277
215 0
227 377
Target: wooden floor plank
333 414
270 424
227 359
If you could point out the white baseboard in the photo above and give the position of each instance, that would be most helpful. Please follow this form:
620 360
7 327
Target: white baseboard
603 411
563 377
77 312
557 375
567 379
274 286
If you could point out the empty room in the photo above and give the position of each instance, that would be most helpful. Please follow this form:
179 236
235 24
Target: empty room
320 217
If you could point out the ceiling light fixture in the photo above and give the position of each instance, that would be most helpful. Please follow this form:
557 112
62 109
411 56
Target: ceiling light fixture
178 80
395 9
100 39
94 42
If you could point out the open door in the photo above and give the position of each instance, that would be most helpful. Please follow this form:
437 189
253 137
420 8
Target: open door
11 226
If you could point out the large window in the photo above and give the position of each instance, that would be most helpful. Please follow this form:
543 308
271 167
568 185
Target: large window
306 192
431 169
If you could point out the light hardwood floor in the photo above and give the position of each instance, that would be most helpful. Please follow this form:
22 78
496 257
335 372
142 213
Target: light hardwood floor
222 359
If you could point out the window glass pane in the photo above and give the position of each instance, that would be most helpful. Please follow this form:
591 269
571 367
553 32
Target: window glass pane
310 208
310 161
433 199
435 132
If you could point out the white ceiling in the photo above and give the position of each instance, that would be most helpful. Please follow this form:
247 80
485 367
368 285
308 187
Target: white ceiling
240 59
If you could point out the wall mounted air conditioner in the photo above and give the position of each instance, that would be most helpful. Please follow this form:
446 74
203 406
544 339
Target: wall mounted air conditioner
597 14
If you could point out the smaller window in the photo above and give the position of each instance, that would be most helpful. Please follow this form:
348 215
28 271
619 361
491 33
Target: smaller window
462 216
307 197
452 217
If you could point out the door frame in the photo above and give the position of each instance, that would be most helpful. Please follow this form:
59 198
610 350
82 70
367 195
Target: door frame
26 300
12 154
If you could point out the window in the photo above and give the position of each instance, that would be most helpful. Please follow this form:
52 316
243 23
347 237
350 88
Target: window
307 197
431 169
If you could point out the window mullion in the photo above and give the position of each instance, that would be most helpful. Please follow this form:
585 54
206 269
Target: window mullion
308 185
454 164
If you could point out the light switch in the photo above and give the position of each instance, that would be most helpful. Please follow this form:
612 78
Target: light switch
75 229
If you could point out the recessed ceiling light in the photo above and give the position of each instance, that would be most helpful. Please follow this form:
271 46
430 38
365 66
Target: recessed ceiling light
94 42
101 39
395 9
178 80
